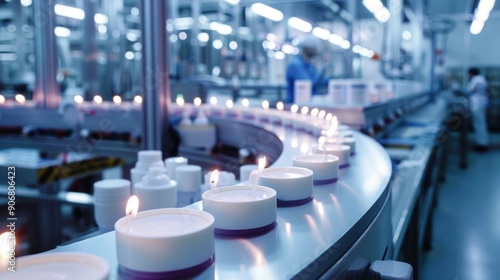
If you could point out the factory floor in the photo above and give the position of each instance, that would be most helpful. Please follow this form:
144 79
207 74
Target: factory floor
466 234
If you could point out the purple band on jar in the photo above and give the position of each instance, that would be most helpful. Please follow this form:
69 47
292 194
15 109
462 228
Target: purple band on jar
325 181
245 232
344 165
292 203
126 273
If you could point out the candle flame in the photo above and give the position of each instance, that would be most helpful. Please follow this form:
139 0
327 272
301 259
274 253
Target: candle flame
197 101
78 99
2 99
315 112
20 98
117 99
262 163
321 141
229 104
265 104
245 102
335 123
180 101
98 99
294 108
213 100
304 110
321 114
280 106
132 206
329 117
214 178
138 99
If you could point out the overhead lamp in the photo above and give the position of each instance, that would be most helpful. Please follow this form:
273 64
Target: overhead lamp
299 24
321 33
335 39
62 31
217 44
345 45
221 28
267 12
476 27
183 23
100 18
78 99
233 45
279 55
378 10
203 37
288 49
26 3
67 11
383 15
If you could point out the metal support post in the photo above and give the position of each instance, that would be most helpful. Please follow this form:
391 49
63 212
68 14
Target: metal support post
155 76
46 93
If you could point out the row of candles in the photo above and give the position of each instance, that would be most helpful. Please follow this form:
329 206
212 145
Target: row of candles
313 120
247 208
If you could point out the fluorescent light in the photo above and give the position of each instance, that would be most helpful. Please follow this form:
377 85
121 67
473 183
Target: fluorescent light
131 36
335 39
321 33
356 49
271 45
476 27
102 29
217 44
383 15
233 2
288 49
267 12
373 5
345 44
62 31
100 18
67 11
26 3
221 28
299 24
129 55
279 55
233 45
485 5
406 35
203 37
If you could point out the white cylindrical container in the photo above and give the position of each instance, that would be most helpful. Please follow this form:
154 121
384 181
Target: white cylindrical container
241 210
145 160
293 185
156 190
166 242
325 167
110 199
356 93
188 178
245 171
349 141
341 151
172 163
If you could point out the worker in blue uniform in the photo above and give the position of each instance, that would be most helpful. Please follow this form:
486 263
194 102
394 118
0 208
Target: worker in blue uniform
301 68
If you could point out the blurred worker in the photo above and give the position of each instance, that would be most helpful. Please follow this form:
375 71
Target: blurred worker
478 90
301 68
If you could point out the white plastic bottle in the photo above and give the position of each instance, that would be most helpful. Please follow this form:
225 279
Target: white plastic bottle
156 190
145 160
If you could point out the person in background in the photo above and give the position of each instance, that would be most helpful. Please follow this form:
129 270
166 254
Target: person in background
478 90
301 68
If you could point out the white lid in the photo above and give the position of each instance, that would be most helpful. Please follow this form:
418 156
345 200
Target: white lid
156 177
148 158
188 177
111 187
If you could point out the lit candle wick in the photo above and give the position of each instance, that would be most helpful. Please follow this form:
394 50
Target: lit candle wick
254 176
214 179
131 209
